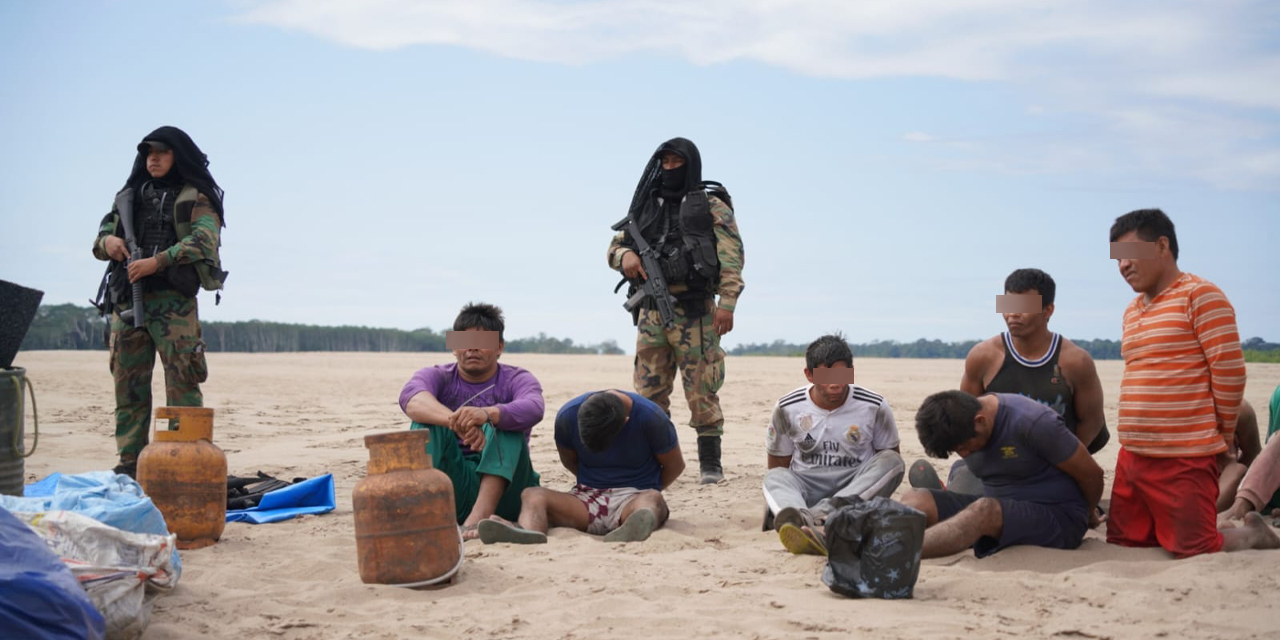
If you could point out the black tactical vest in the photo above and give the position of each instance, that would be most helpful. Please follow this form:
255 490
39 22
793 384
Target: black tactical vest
154 224
686 245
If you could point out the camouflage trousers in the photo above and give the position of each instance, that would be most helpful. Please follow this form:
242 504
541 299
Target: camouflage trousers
694 347
172 329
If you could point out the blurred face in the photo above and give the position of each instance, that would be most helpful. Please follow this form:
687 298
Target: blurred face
1143 264
159 163
1026 321
671 161
477 363
830 384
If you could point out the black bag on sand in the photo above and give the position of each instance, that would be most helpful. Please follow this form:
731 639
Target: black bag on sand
246 493
873 549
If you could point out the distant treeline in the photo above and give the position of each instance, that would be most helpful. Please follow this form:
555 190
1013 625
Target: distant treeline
67 326
1255 349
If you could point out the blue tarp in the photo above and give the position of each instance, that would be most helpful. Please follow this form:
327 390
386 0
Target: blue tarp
107 497
309 496
39 598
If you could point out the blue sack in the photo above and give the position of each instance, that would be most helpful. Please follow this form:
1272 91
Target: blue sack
309 496
39 598
107 497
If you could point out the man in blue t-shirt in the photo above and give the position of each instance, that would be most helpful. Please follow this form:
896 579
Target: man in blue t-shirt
1040 483
623 450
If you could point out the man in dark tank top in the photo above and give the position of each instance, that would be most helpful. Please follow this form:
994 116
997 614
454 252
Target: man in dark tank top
1032 361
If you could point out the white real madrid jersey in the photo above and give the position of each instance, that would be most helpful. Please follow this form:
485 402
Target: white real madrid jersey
836 441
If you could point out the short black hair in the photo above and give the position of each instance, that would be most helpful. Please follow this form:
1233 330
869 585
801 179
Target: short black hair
1024 280
1150 225
828 350
480 315
600 420
945 420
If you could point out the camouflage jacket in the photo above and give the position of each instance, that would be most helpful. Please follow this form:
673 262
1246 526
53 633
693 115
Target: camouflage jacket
728 251
199 245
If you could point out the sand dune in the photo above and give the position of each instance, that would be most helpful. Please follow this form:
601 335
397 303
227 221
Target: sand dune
711 573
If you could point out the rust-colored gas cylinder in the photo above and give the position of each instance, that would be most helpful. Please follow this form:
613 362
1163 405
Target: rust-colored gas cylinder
406 524
185 475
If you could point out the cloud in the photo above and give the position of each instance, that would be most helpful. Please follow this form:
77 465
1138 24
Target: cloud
1212 50
1178 61
917 136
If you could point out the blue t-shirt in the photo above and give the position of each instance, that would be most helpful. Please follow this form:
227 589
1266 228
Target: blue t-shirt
630 461
1028 440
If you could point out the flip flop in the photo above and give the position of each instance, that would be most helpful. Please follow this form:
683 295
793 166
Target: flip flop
636 529
492 531
792 516
923 476
801 541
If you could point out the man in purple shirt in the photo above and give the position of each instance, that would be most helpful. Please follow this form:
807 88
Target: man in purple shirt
480 414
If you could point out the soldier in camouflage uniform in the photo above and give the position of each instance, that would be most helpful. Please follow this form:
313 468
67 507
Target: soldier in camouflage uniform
178 219
701 257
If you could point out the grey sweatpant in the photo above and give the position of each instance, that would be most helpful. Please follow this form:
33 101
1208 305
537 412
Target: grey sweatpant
878 476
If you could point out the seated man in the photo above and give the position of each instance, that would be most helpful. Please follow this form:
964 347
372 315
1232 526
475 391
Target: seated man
1260 489
847 439
624 452
1033 361
480 414
1040 482
1236 464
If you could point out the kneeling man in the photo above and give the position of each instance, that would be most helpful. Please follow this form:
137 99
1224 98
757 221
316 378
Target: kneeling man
846 438
480 414
624 452
1040 483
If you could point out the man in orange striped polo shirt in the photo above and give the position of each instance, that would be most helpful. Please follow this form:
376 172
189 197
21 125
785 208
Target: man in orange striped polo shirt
1183 380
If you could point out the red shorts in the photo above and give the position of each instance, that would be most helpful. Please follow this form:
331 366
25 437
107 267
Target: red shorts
1166 502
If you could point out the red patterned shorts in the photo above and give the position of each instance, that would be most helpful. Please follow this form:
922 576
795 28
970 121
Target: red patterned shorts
604 506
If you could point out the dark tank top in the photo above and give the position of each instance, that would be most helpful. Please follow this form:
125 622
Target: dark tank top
1042 381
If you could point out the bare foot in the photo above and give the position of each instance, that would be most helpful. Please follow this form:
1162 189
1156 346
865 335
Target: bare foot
1260 535
469 532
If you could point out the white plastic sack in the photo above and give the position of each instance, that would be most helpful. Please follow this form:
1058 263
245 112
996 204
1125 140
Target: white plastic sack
121 571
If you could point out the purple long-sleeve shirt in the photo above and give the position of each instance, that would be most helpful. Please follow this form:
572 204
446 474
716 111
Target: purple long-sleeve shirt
515 392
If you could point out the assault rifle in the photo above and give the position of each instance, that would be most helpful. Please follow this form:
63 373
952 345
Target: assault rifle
655 286
124 205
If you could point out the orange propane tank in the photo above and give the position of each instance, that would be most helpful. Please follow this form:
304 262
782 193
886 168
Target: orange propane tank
185 475
406 524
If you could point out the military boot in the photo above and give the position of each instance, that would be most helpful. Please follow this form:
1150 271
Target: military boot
128 465
709 459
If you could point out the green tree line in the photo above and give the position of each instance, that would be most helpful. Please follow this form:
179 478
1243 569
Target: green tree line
67 326
1255 349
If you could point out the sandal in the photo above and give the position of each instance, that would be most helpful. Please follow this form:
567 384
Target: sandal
801 541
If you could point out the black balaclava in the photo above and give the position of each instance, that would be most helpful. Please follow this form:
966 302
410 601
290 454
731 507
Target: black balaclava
190 166
673 181
671 185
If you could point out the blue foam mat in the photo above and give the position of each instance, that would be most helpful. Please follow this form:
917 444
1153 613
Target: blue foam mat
307 497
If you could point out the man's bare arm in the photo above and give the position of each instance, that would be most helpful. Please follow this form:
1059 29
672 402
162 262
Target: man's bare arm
1248 439
778 461
424 408
973 381
672 465
1082 377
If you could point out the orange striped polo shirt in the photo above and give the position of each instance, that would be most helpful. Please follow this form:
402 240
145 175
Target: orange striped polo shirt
1183 372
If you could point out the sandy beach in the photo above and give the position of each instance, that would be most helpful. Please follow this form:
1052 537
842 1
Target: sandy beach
710 573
